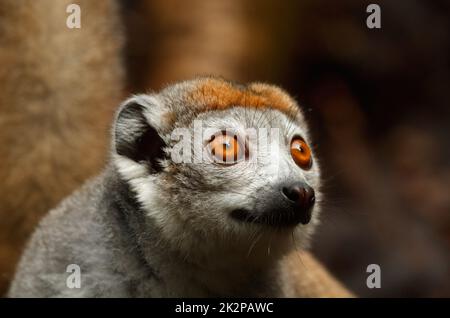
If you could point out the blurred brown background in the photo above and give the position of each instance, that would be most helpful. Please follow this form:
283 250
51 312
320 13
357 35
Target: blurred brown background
378 101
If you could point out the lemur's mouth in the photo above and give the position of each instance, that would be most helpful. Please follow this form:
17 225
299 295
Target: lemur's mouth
275 218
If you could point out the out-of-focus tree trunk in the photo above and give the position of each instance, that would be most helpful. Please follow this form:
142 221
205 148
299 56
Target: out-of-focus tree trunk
173 40
58 89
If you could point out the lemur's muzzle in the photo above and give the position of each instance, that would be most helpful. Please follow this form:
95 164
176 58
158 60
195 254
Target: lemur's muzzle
302 196
289 205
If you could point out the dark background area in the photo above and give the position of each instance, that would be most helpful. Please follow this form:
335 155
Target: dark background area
377 99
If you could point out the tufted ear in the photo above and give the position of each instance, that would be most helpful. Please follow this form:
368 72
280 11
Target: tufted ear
135 134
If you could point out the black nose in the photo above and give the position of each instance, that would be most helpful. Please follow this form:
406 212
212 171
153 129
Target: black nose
302 196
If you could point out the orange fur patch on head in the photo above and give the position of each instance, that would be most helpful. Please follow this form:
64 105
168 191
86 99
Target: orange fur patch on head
215 94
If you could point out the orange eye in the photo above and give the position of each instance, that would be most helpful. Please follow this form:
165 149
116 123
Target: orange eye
301 153
226 149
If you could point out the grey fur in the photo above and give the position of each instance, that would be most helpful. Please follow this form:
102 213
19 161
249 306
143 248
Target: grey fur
147 233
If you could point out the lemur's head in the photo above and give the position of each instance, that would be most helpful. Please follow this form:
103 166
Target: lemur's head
217 165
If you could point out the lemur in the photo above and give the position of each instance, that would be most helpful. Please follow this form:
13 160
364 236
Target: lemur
150 226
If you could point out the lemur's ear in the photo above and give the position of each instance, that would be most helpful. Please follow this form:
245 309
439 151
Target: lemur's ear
136 133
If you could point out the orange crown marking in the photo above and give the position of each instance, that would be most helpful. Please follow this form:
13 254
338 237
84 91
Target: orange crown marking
215 94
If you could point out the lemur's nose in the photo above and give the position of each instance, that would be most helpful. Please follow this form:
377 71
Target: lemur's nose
302 195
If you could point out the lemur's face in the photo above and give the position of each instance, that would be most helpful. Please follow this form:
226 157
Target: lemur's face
223 174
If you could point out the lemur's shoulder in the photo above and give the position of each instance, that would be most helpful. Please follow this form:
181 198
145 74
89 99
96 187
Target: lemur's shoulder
302 275
85 230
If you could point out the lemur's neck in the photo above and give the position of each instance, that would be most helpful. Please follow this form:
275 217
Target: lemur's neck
239 280
224 271
234 276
